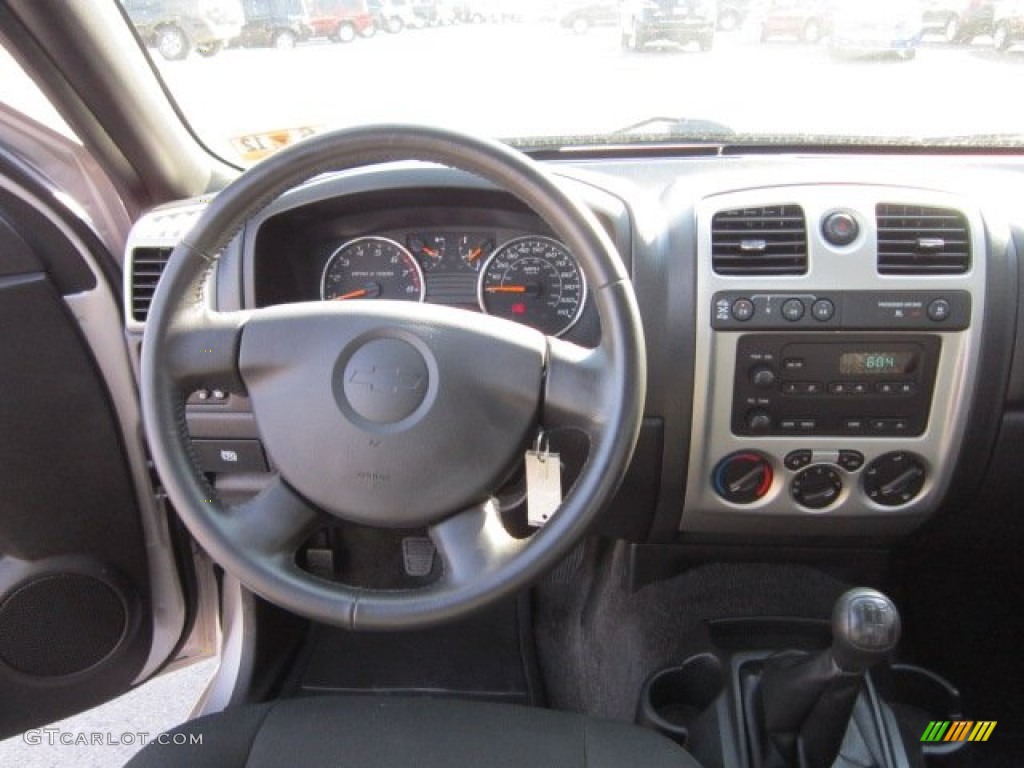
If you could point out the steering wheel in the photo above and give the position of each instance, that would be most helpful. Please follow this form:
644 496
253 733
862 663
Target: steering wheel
391 414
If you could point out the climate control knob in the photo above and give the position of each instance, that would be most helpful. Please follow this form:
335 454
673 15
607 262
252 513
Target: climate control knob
894 478
817 487
743 477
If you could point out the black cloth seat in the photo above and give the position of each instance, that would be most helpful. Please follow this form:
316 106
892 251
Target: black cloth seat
387 732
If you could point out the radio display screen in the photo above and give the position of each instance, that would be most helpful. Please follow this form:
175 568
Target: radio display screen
877 363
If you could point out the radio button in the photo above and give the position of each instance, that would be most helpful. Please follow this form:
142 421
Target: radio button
823 310
839 388
854 425
859 387
886 388
906 388
742 310
807 425
793 310
793 363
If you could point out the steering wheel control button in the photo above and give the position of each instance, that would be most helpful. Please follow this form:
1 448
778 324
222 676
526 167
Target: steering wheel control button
894 479
742 310
938 310
840 228
793 310
743 478
385 381
823 310
225 456
797 460
816 487
851 461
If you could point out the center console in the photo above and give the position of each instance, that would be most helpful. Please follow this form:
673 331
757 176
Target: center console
837 334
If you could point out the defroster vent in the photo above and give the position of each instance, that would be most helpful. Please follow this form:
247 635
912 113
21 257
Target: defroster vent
922 240
770 240
147 264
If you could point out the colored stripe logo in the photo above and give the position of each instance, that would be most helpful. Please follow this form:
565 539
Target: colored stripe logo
958 730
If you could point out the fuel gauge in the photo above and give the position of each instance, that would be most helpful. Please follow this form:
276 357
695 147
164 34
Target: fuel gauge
474 250
429 250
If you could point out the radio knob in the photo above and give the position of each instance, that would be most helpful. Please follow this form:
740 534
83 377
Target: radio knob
759 420
763 376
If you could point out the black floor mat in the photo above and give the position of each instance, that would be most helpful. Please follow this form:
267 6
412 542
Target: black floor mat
594 656
487 656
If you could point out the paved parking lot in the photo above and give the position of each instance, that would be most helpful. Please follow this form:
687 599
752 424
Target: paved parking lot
151 708
521 80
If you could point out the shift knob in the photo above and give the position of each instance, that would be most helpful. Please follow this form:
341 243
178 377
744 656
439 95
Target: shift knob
865 629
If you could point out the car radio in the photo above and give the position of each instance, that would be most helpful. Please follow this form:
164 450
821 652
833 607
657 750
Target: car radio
874 385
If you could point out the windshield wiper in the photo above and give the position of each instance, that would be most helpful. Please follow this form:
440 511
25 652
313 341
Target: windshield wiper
688 127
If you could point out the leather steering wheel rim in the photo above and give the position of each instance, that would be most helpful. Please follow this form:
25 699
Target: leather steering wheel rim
188 344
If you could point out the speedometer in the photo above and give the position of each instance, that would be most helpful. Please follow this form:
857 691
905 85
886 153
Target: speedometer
536 281
372 268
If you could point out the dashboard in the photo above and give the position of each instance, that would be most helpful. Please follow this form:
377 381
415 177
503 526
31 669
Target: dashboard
825 334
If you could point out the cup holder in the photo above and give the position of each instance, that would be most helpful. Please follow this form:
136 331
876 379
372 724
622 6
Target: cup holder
673 700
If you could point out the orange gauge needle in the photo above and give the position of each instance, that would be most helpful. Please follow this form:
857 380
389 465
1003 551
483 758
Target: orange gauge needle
474 255
353 295
505 289
431 252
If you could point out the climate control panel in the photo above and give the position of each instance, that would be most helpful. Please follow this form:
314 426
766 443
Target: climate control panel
817 479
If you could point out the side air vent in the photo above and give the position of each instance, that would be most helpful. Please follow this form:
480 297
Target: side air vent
771 240
147 264
921 240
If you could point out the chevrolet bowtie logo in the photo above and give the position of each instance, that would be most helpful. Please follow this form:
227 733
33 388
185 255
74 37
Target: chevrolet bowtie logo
388 381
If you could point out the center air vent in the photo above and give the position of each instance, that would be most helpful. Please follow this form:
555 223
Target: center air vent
920 240
147 264
771 240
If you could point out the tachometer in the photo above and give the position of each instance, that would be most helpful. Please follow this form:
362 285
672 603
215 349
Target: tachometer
536 281
372 268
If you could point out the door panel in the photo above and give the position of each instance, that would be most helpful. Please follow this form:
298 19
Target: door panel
76 612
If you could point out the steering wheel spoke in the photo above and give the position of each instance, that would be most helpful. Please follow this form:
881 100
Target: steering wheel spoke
273 524
202 350
575 393
473 544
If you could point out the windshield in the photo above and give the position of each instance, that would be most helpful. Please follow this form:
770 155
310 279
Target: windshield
255 75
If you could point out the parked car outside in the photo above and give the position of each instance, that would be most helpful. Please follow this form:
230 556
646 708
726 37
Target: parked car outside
341 20
732 14
958 21
581 18
1008 24
177 27
870 27
806 20
392 15
678 21
274 23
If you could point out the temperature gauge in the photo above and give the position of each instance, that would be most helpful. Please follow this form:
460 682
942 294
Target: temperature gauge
474 250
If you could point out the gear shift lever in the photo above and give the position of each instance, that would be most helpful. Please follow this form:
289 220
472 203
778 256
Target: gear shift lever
807 699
